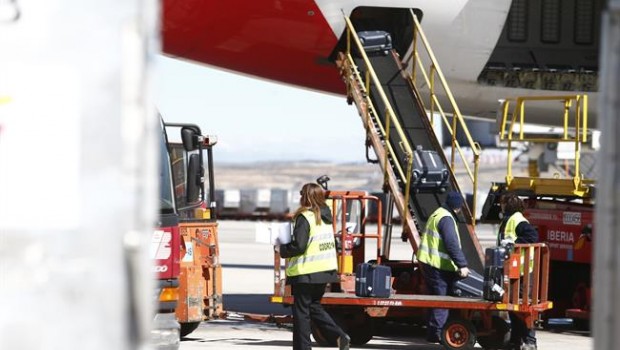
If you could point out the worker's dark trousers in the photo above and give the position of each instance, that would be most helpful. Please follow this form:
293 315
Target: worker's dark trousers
519 333
307 306
438 282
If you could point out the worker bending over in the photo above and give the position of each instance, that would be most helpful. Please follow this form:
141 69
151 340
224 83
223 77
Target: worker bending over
441 259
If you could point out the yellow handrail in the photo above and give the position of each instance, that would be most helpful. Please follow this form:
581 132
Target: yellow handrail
579 185
390 116
435 105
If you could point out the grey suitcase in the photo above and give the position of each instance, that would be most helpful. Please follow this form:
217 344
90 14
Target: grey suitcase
375 41
373 280
429 170
470 286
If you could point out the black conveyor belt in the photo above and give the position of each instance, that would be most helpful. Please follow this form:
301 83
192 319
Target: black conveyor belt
413 119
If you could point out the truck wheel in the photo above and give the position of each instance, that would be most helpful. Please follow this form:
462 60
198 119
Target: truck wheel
188 327
458 334
357 325
581 324
500 336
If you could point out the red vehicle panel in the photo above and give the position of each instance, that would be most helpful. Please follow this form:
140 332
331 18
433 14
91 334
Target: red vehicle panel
566 228
165 255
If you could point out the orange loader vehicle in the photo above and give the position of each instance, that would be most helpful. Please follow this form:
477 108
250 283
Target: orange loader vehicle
200 278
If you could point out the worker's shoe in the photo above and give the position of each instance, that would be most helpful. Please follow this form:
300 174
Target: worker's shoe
343 342
528 347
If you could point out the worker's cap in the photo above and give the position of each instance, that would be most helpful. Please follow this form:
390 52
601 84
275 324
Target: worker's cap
454 200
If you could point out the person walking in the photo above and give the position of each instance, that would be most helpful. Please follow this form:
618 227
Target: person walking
441 259
311 264
515 227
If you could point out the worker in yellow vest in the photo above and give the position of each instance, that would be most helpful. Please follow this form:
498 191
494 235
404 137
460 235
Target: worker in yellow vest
311 264
441 259
516 228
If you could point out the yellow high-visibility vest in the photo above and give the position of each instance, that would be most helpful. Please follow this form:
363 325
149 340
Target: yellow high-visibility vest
320 254
432 250
510 232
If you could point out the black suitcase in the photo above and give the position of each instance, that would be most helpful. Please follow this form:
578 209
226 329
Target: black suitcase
429 170
469 287
376 41
493 280
495 256
373 280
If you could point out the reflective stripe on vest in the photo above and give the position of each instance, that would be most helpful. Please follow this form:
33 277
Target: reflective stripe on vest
510 231
320 254
432 250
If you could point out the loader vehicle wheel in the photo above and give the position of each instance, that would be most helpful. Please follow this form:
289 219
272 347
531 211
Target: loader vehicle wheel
188 327
458 334
325 340
581 324
359 336
500 338
357 325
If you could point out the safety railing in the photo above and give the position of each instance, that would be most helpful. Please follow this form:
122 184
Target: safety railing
353 227
425 70
575 130
526 281
349 224
391 120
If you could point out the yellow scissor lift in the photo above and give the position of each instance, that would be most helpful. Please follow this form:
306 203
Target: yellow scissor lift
559 205
574 118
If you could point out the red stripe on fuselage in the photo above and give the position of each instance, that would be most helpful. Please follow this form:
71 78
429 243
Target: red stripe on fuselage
287 41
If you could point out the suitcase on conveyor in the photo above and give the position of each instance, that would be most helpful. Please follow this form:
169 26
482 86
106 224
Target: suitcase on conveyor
469 287
429 170
373 280
376 41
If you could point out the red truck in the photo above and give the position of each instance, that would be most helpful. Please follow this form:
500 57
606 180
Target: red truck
167 247
567 227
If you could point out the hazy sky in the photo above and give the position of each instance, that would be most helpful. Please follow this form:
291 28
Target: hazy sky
257 120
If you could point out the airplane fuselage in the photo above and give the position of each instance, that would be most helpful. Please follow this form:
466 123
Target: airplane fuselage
488 50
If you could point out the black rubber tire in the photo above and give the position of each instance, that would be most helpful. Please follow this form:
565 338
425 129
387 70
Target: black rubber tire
581 324
358 327
499 339
360 336
458 334
188 327
323 340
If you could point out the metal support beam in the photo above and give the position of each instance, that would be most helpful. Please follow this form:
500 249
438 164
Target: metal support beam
606 280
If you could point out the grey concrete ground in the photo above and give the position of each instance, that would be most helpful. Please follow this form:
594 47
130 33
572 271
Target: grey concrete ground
248 282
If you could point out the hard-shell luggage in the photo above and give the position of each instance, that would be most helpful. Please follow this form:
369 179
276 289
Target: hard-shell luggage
429 170
376 41
495 256
493 279
469 287
373 280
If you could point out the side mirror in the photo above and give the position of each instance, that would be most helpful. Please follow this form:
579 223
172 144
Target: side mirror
190 138
195 179
322 181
